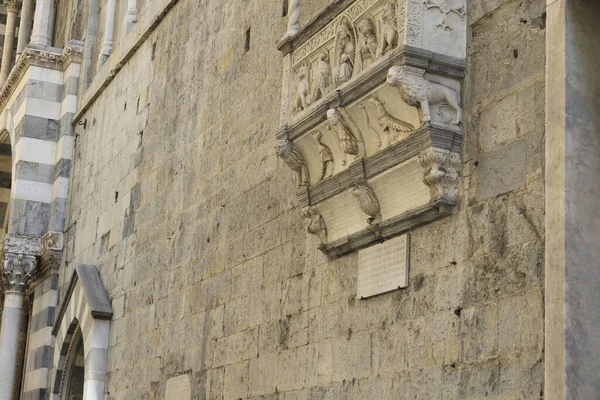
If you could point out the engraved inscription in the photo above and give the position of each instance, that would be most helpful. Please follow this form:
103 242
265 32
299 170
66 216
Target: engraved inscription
383 267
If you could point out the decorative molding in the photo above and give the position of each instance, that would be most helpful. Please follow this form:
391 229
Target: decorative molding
21 245
73 52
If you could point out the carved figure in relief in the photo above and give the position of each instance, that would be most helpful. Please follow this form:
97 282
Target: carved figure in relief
315 224
389 38
347 53
368 42
294 18
446 7
416 91
327 166
394 127
293 158
302 99
346 138
323 76
367 201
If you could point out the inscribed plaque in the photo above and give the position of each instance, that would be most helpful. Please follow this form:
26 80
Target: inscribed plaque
383 267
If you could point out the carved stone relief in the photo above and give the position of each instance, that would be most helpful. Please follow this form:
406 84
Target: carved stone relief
371 117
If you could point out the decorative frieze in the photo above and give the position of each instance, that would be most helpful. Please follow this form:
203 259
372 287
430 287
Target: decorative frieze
371 117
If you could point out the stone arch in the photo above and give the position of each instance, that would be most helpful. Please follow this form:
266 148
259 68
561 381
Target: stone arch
85 307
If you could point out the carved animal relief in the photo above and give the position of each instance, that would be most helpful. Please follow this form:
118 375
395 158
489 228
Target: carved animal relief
371 118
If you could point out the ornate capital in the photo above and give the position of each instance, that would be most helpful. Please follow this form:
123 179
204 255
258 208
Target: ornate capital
17 271
12 5
442 172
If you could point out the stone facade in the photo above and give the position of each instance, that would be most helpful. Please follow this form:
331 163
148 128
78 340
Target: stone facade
166 218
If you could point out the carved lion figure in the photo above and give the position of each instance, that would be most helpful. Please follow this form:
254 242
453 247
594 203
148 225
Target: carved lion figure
416 91
302 100
293 158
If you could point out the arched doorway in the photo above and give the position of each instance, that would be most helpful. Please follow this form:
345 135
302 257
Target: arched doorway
74 378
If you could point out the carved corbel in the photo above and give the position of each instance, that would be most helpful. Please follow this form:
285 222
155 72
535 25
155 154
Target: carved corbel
293 158
442 173
315 224
418 92
52 249
367 201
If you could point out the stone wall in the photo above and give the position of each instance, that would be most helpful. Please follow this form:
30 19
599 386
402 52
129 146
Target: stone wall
178 198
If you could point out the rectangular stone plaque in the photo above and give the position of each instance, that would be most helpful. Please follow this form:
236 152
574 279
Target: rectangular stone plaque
383 267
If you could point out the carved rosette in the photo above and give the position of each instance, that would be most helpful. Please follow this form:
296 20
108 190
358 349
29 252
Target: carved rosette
442 173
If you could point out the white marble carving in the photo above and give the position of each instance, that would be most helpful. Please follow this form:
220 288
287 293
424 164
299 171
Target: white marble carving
368 42
315 224
18 269
367 201
347 140
442 172
346 52
394 127
327 165
294 18
389 36
293 158
419 92
322 74
302 100
446 7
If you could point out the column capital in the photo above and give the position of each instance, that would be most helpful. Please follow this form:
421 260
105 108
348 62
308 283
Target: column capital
13 5
17 271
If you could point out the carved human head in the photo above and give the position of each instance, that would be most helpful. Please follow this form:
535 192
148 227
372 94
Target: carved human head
396 76
332 116
324 56
317 136
366 26
283 147
345 31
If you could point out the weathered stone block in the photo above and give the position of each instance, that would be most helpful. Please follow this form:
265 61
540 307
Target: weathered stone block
494 177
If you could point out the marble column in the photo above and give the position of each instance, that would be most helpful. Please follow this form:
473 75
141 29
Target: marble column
12 8
572 270
109 29
17 270
25 26
43 22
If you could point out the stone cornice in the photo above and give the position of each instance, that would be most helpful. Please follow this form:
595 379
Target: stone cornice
55 60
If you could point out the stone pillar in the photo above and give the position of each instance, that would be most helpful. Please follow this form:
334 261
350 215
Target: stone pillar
12 7
25 26
572 275
109 28
17 271
43 22
131 16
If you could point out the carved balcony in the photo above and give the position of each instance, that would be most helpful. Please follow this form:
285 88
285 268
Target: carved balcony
371 118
